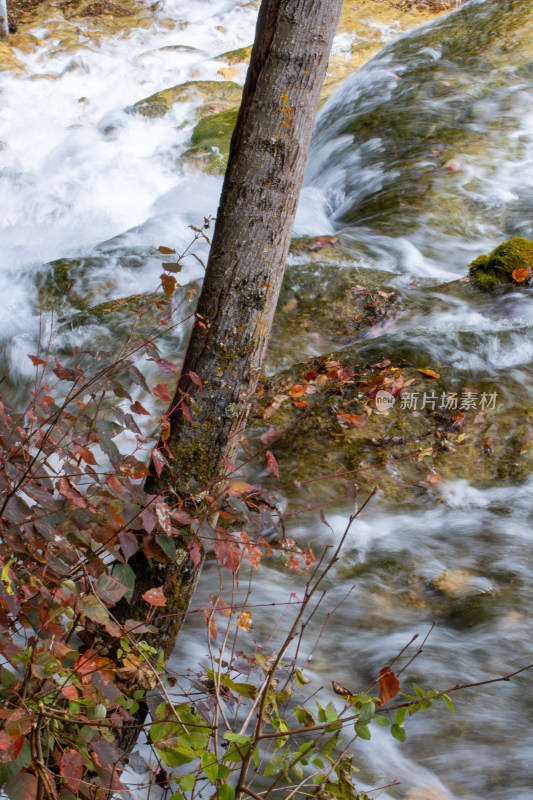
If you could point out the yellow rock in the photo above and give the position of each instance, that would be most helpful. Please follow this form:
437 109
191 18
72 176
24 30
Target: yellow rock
229 73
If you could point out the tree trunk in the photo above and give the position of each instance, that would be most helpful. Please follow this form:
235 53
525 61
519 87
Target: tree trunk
244 273
4 23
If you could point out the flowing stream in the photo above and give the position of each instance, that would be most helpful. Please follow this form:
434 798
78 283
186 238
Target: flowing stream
421 160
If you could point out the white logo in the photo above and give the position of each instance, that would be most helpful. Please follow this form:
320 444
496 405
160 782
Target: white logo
384 400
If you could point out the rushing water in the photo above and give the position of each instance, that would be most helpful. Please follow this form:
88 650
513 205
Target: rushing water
420 161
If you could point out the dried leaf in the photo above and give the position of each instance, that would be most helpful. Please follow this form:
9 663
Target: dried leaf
172 266
355 420
389 685
341 690
244 621
166 251
272 464
430 373
168 282
210 621
297 390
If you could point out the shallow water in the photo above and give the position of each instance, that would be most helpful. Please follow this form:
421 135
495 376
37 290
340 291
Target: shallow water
82 178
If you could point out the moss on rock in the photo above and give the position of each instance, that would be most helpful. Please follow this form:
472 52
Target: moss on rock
211 141
496 269
223 94
239 56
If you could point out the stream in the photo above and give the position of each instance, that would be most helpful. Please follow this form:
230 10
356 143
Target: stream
420 161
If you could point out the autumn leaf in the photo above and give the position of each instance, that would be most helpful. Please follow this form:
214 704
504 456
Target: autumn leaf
341 690
272 464
166 251
244 621
430 373
71 769
137 408
70 692
210 621
168 282
389 685
161 390
434 477
85 454
297 390
155 597
356 420
520 275
300 403
172 266
36 361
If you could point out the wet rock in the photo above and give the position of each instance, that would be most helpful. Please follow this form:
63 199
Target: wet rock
211 141
240 56
509 264
223 94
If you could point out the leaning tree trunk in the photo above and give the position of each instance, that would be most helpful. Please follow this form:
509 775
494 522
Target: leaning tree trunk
244 272
4 23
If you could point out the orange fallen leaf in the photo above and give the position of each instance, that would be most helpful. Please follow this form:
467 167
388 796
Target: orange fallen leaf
356 420
300 403
297 390
430 373
434 477
519 275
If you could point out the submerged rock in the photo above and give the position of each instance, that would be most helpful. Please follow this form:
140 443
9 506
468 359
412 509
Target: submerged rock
509 263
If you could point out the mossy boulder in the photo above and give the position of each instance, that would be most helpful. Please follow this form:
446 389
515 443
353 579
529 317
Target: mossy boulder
500 267
220 94
239 56
211 141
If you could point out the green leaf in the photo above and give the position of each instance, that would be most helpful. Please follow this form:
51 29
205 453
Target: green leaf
384 721
398 732
275 764
448 703
304 716
420 692
126 576
318 763
301 680
331 712
167 545
236 752
187 781
256 757
209 766
367 711
330 745
400 716
223 772
226 792
298 770
362 730
242 738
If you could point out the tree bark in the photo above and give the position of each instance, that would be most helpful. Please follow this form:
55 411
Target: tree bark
4 22
243 275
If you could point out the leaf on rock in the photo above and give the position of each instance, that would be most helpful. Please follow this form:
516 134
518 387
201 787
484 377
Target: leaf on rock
520 275
430 373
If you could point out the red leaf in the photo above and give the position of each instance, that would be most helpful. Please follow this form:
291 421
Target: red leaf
211 623
128 544
389 685
161 391
71 769
159 461
194 552
195 379
149 519
68 490
272 464
85 453
155 597
137 408
356 420
185 411
346 374
36 361
70 692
